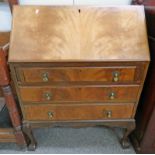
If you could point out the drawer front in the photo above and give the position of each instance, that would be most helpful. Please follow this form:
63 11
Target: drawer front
77 112
77 74
79 94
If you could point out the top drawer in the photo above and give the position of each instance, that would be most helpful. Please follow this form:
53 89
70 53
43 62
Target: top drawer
117 74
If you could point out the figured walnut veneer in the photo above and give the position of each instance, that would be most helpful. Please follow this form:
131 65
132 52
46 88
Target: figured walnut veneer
78 112
80 94
78 34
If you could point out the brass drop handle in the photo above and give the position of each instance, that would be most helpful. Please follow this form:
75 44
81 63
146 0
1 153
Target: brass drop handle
108 113
45 77
112 96
116 76
50 114
48 96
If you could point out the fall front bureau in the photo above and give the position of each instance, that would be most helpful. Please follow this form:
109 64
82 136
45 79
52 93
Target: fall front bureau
78 66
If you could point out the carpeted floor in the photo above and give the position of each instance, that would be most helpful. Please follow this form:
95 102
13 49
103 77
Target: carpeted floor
71 140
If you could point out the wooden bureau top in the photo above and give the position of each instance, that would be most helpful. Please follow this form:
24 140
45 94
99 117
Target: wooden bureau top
58 34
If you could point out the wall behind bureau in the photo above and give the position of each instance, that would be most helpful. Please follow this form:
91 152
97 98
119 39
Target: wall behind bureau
75 2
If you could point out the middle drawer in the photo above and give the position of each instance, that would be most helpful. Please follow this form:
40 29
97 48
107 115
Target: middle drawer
79 94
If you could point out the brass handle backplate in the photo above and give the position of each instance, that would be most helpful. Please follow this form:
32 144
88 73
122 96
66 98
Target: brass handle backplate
48 96
50 114
108 113
112 96
45 77
116 76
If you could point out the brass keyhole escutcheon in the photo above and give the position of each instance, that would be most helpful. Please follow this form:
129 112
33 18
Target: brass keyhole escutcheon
48 96
112 96
116 76
50 114
108 113
45 77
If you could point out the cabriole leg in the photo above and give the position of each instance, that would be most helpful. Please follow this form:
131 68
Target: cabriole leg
125 140
28 132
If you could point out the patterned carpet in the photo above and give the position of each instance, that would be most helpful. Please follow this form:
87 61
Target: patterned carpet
70 140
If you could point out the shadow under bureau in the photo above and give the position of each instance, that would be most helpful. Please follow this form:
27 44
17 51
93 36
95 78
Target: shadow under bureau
78 66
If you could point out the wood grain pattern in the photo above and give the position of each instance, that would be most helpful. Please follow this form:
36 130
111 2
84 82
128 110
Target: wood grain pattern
77 74
7 135
78 34
78 48
5 82
79 94
4 38
77 112
4 71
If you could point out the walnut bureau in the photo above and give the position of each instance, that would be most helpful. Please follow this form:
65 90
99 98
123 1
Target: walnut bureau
78 66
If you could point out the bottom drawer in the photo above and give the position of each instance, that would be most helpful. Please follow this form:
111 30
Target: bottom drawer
77 112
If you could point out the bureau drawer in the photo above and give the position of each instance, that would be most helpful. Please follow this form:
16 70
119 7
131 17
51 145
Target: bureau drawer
77 74
79 94
77 112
